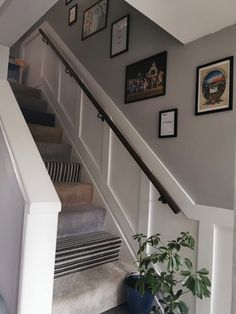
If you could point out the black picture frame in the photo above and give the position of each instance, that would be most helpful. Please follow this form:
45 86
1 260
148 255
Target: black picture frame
214 86
72 14
68 1
120 30
146 78
89 27
168 123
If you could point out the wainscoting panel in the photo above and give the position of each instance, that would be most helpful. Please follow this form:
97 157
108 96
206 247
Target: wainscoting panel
91 131
50 68
32 53
68 94
124 177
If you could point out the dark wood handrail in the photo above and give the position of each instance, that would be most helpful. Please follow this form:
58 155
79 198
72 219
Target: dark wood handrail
165 197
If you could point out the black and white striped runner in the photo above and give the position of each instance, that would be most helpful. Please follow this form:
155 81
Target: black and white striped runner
63 171
81 252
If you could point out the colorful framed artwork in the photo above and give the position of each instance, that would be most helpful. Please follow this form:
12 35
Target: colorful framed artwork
95 19
168 123
214 90
72 16
146 79
119 36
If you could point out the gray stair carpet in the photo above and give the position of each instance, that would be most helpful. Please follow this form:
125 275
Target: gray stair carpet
81 252
24 90
56 152
31 103
92 291
80 220
41 118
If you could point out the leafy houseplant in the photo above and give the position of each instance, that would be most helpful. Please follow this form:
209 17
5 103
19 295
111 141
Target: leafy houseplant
177 279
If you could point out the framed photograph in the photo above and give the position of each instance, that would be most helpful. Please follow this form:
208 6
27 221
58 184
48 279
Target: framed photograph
146 78
214 90
68 1
72 16
168 123
95 19
119 36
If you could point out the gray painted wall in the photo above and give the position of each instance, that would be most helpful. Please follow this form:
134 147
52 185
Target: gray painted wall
202 156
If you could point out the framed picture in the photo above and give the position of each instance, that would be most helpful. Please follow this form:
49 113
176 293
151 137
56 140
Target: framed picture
146 78
95 19
214 90
68 1
119 36
168 123
72 16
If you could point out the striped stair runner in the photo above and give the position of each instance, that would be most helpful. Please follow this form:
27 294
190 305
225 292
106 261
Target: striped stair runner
82 252
63 171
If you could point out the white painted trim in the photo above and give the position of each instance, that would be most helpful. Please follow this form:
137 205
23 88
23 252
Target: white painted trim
192 210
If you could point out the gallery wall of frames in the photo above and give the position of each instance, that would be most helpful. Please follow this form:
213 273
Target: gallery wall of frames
147 78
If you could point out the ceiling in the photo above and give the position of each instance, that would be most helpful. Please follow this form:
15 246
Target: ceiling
188 20
17 16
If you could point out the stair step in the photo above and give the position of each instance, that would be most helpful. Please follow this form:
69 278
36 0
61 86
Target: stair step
36 117
81 252
92 291
80 220
63 171
31 103
46 134
72 194
51 151
25 90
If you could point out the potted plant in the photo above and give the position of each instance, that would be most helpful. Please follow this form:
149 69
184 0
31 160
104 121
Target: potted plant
169 285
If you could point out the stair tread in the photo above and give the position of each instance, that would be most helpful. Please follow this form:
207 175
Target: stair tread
39 118
24 90
104 283
54 151
31 103
46 134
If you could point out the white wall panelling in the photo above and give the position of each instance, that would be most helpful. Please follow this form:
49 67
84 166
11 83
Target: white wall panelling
131 199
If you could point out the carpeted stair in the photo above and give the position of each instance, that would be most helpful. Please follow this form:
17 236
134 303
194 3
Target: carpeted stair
88 276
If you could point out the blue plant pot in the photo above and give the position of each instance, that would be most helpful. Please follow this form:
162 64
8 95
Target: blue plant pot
137 304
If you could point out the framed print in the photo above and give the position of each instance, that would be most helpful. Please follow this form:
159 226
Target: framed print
72 16
95 19
119 36
68 1
214 90
146 78
168 123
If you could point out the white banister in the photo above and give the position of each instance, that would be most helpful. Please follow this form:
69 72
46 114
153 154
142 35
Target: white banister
29 209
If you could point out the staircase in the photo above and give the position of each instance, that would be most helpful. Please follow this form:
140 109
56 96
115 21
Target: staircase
88 275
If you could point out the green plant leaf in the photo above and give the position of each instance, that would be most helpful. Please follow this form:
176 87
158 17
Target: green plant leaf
185 273
188 263
206 280
203 271
182 307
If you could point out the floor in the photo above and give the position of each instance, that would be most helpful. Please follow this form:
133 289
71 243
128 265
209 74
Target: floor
122 309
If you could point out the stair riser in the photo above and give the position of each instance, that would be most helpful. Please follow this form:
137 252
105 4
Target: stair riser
63 172
40 118
46 134
30 103
81 221
74 195
25 90
59 152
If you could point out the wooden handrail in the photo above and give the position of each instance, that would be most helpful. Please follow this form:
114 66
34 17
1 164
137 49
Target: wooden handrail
165 197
